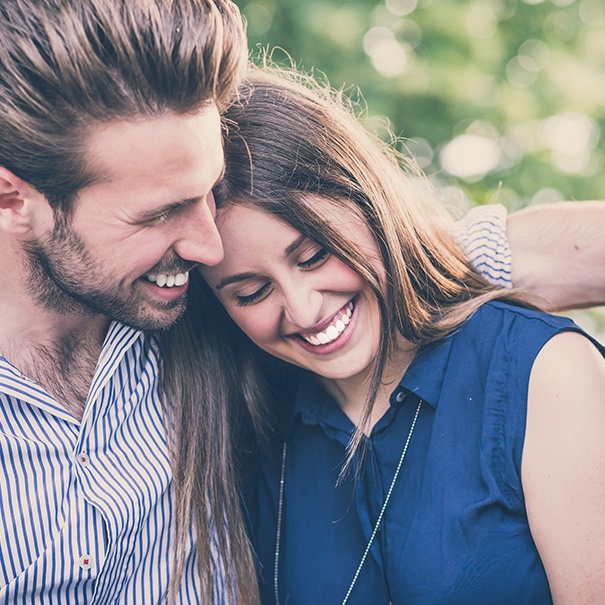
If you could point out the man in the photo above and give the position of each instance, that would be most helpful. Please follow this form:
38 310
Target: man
110 145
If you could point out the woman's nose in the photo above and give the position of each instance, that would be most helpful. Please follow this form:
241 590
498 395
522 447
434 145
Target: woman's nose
303 308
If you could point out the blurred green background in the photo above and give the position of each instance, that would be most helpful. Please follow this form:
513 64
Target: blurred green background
499 100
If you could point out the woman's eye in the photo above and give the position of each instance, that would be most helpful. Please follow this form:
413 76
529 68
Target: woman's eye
319 256
248 299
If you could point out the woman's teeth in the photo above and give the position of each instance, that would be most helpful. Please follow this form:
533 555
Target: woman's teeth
163 280
333 331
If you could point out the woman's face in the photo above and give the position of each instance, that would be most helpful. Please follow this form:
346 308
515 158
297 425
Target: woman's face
294 299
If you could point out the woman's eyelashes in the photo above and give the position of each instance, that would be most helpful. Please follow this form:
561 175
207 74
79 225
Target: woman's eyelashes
248 299
315 260
319 256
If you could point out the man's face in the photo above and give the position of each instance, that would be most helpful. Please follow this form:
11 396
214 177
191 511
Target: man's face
134 234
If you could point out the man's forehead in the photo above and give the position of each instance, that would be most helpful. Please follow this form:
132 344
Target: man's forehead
165 141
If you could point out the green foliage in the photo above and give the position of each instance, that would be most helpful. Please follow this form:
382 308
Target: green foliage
502 100
437 69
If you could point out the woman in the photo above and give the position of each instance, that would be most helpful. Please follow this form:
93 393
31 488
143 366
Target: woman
434 439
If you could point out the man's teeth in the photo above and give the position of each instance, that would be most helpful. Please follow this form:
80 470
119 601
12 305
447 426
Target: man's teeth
334 330
167 281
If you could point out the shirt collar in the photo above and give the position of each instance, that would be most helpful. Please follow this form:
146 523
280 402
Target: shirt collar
424 377
426 373
119 339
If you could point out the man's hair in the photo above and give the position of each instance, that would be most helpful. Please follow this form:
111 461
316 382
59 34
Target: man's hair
68 64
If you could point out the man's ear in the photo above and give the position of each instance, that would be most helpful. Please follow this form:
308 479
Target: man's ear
20 204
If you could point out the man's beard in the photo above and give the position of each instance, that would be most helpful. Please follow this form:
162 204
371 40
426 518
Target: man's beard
65 278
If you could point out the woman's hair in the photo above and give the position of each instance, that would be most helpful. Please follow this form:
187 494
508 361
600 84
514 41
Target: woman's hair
207 379
295 150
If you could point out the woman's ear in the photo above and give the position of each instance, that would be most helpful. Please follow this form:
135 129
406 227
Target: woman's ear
20 204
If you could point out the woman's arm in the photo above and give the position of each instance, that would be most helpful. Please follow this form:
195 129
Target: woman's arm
563 467
558 252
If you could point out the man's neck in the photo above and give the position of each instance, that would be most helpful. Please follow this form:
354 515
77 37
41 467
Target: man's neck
58 352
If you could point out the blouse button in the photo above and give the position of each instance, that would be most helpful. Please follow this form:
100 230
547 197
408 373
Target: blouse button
83 459
85 562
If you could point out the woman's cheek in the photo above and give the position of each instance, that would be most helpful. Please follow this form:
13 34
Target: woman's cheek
259 325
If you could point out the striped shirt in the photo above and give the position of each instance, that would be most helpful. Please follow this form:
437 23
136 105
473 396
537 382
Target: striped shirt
86 507
482 235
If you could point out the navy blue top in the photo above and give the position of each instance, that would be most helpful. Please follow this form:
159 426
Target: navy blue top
455 530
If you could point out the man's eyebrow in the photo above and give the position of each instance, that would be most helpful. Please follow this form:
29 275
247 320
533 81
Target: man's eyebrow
249 275
158 211
171 206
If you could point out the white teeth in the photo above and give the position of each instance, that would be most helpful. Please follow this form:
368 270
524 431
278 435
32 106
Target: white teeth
168 281
332 332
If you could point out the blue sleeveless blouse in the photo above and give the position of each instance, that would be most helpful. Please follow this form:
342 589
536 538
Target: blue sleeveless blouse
455 531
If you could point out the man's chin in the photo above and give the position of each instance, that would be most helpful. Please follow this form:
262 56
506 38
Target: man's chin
154 319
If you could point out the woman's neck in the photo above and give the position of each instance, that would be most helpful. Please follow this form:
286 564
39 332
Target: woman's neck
351 393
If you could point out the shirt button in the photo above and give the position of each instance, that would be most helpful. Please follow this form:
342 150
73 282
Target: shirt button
85 562
400 396
83 459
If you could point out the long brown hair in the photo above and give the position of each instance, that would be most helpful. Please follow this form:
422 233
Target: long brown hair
207 380
293 148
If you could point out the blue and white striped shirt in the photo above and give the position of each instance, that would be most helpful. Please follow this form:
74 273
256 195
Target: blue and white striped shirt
482 235
86 507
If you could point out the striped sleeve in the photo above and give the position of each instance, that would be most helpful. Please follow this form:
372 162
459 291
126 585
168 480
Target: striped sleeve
482 235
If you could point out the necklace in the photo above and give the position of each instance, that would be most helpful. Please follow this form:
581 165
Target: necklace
280 508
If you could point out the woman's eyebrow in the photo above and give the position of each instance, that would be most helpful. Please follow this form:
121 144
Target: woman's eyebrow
237 277
234 279
294 245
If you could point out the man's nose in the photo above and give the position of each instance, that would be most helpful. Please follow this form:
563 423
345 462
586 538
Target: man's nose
198 238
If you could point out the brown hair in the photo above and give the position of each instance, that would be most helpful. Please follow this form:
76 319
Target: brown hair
294 148
67 65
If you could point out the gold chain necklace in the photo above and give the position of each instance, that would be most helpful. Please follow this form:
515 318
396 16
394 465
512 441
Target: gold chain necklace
280 508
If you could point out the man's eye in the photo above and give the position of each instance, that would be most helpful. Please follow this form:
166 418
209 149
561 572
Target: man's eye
160 218
242 301
319 256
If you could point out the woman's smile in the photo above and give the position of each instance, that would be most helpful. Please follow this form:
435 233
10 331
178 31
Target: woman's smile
293 298
332 336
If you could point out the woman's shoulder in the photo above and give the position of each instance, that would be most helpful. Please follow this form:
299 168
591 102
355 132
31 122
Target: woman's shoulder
500 337
509 313
509 324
